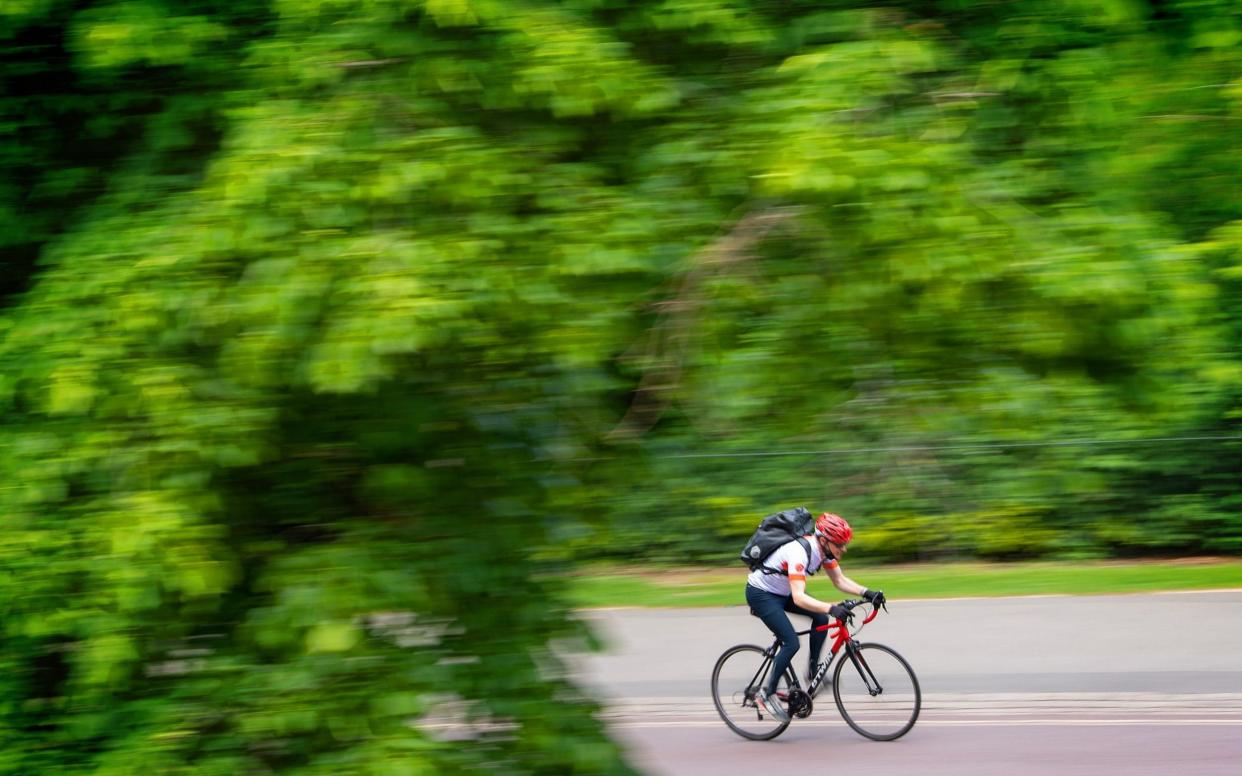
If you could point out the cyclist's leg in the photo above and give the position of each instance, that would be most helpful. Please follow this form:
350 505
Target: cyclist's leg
818 637
770 608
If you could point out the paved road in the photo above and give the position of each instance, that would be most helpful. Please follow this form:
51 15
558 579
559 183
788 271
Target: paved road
1073 685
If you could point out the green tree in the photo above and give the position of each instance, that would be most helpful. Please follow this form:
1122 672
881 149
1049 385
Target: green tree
336 327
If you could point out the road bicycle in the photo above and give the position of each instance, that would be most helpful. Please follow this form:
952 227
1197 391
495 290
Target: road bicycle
878 695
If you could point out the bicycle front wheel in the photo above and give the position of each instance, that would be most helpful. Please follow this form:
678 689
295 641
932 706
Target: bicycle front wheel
736 680
876 692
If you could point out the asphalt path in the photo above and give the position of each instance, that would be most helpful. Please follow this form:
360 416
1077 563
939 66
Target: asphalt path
1135 684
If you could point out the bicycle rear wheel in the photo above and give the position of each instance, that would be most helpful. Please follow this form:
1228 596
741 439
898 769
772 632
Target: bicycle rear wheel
736 680
876 692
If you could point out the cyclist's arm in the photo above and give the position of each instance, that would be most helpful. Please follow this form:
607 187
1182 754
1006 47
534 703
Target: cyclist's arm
797 586
842 582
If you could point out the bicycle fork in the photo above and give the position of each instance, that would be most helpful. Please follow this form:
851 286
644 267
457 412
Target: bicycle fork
864 671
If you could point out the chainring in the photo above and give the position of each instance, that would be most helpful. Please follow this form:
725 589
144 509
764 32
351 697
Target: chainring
799 703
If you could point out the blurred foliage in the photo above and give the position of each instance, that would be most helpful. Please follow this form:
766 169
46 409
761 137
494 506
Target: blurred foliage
331 326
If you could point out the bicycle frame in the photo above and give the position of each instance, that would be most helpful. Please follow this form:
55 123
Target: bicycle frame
841 639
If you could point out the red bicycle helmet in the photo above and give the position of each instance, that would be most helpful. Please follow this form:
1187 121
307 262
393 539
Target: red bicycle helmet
834 528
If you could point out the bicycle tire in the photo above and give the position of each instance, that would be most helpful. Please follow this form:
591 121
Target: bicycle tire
734 695
894 714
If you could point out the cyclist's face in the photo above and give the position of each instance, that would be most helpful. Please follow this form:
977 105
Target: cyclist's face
830 549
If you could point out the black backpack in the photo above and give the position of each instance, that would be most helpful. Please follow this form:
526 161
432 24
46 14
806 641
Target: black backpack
773 532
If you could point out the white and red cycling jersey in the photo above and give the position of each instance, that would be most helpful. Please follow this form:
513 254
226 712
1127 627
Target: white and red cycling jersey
791 559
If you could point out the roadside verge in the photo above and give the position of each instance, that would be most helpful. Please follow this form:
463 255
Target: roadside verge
660 587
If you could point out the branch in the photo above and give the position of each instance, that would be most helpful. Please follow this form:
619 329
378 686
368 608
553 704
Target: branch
364 63
665 351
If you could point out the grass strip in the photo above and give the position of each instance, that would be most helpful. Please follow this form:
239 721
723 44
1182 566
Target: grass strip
652 587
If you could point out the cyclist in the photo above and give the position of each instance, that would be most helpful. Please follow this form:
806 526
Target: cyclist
779 586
